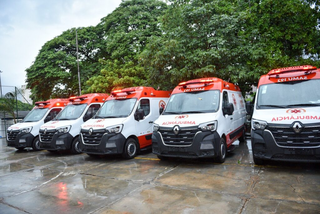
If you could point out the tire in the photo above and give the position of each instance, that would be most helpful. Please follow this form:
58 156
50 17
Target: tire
163 158
36 144
258 161
75 146
221 151
242 138
130 149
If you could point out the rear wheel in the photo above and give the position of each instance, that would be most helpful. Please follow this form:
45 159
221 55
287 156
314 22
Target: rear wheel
130 149
75 146
242 138
36 144
221 151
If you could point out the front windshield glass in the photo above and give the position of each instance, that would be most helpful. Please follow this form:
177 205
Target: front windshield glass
193 102
289 94
116 108
71 112
35 115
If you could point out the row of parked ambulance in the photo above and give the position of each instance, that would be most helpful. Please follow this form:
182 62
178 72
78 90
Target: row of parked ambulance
199 118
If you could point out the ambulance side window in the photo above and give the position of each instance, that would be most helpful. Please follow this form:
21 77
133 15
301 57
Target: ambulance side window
145 106
225 99
52 114
92 110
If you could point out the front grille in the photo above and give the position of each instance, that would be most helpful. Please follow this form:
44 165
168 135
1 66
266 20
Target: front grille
285 136
94 138
12 135
183 138
47 135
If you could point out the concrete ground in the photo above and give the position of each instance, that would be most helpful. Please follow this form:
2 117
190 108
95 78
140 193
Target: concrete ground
43 182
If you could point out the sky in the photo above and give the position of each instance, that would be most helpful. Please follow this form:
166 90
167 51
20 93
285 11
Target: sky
26 25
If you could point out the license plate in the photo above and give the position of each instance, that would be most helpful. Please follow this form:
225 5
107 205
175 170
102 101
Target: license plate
177 149
299 152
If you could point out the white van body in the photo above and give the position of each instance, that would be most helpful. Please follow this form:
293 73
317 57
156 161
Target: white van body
202 119
124 123
25 134
62 133
286 117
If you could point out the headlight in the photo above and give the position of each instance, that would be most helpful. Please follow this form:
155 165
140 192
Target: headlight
209 126
258 124
65 129
114 129
26 130
155 127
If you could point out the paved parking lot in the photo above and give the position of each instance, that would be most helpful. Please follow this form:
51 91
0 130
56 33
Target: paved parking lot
43 182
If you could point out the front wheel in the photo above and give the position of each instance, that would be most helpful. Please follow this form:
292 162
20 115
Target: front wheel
221 151
130 149
75 146
36 144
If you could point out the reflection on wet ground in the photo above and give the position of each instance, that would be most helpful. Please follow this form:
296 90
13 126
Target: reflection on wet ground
43 182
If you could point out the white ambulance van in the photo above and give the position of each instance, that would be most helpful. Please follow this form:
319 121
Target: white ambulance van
124 123
62 133
26 133
286 117
203 118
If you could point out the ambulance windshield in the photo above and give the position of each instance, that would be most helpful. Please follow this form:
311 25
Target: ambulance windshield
289 94
116 108
193 102
71 112
35 115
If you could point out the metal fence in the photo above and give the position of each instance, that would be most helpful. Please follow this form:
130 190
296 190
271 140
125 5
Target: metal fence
5 119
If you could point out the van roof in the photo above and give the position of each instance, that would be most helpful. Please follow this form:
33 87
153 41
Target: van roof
89 98
205 84
138 92
287 74
52 103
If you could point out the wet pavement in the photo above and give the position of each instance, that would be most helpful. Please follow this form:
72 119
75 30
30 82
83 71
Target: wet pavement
44 182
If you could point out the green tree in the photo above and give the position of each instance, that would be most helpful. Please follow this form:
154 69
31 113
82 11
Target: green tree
54 72
126 30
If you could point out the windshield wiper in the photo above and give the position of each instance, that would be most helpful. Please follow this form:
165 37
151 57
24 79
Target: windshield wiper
303 104
190 112
272 106
171 112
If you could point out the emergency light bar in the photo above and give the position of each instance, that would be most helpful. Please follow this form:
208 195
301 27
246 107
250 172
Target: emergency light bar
197 81
292 69
80 98
126 91
42 103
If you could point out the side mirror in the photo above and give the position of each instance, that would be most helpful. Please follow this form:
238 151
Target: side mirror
228 109
48 118
161 110
139 114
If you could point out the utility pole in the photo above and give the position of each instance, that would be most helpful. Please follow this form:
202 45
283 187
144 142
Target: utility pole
0 85
78 63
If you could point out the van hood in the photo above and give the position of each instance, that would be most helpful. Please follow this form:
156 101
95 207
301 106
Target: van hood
57 124
102 123
18 126
185 120
288 116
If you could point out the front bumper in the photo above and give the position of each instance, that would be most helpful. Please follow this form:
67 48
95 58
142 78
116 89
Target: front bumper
21 140
265 147
203 146
108 144
58 142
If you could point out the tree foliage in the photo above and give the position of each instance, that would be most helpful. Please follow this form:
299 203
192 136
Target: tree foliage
149 42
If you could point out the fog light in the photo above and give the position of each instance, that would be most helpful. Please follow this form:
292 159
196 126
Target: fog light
23 140
59 142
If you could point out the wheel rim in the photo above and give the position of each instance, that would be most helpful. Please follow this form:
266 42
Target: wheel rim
76 147
37 145
131 150
223 151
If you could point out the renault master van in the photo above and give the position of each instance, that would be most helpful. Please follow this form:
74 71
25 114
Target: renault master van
202 119
62 133
286 117
124 123
26 133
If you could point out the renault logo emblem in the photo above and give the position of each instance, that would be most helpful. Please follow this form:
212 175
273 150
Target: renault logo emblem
45 131
297 127
90 131
176 130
